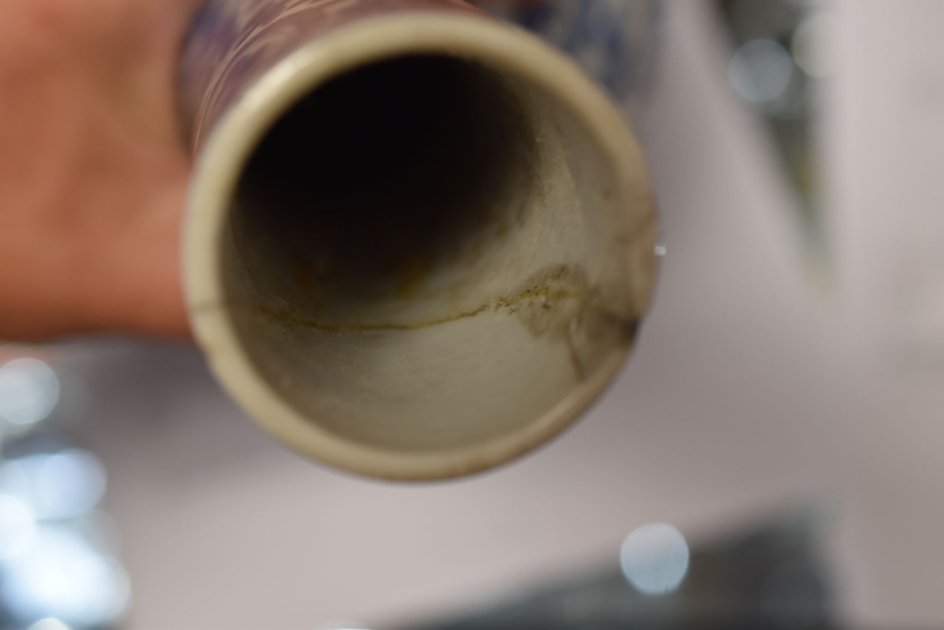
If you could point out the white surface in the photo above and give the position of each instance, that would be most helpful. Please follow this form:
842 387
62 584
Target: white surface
884 133
746 396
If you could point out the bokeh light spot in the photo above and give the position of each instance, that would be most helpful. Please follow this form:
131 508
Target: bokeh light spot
760 71
29 391
17 527
62 576
655 558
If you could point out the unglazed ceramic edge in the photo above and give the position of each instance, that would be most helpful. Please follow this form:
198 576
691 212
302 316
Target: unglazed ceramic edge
241 128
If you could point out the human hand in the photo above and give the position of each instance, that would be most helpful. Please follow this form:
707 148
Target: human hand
93 167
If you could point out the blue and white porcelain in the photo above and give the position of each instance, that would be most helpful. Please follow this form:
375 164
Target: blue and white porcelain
613 40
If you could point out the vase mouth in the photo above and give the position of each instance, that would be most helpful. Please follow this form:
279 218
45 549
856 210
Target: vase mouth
341 398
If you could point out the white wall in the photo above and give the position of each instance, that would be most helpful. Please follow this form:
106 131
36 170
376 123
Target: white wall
749 393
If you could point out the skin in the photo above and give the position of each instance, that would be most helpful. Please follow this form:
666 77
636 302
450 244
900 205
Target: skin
93 167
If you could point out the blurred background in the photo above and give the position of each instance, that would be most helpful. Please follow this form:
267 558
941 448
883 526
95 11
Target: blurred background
770 457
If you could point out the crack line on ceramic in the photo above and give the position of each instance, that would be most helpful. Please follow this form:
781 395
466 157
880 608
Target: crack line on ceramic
511 304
